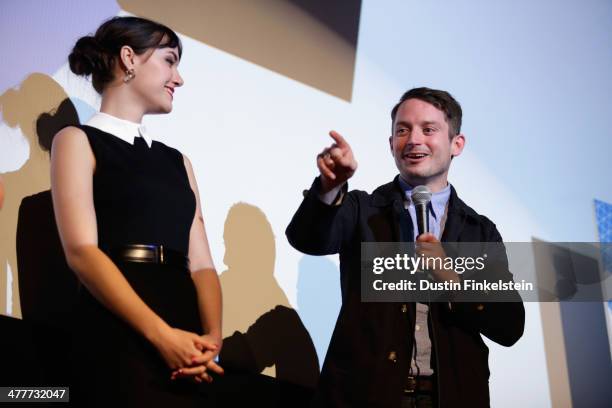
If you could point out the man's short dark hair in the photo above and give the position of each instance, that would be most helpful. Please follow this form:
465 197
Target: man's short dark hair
441 100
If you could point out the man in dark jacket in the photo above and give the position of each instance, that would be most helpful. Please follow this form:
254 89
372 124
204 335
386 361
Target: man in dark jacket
390 354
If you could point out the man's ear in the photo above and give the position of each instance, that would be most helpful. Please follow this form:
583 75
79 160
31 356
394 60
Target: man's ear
457 145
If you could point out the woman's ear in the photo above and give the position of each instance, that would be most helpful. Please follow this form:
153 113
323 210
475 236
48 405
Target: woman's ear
127 55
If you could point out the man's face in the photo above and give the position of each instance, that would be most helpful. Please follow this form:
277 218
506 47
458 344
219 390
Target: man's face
421 146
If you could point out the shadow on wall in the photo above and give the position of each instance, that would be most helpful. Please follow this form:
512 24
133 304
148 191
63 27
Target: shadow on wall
39 107
45 287
318 298
262 333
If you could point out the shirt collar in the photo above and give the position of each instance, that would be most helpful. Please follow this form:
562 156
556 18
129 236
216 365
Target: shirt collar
438 199
123 129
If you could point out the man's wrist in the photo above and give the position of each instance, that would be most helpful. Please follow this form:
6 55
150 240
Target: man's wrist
331 196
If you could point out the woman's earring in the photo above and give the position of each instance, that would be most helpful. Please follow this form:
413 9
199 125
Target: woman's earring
129 75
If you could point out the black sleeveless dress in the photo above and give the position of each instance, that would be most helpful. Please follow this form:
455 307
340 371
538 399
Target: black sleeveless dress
141 196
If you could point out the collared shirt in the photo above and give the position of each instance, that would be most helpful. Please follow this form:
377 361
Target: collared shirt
437 209
123 129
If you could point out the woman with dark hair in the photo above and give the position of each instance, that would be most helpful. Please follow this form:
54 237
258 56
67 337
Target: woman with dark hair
148 321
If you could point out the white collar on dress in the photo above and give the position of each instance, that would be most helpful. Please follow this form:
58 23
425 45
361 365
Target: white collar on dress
123 129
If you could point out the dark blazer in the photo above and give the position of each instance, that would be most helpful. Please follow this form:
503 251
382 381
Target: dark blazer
368 358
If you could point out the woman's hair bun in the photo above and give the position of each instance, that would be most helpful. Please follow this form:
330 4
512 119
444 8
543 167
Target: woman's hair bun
87 57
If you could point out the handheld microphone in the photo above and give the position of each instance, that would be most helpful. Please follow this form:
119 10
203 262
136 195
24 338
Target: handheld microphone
421 196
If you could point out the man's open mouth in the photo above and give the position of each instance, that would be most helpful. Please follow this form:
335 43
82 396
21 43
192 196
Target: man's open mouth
416 156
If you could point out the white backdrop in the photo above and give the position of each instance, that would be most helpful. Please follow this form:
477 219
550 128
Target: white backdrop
534 84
